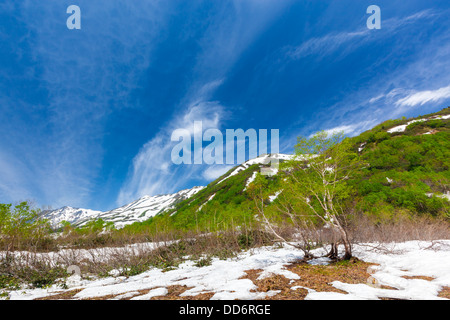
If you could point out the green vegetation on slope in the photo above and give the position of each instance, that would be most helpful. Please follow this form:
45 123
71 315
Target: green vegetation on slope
220 206
408 170
407 173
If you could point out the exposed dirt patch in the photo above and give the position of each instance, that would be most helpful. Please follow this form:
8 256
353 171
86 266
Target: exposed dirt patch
113 296
444 293
419 277
69 295
275 283
62 296
319 277
432 131
173 293
107 297
201 296
316 277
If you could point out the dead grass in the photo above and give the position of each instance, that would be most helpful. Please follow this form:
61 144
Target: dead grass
314 277
399 229
319 278
107 297
311 276
201 296
224 245
418 277
445 293
275 283
67 295
174 293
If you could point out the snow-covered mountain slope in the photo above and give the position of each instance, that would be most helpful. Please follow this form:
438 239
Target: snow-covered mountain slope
149 206
265 159
137 211
402 128
146 207
69 214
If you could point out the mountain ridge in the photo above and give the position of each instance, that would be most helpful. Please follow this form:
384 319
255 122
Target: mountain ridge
393 148
136 211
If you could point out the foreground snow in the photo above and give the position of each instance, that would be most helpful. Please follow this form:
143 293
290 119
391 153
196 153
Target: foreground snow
226 278
410 259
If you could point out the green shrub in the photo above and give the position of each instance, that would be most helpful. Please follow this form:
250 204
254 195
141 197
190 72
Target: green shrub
21 227
203 262
245 241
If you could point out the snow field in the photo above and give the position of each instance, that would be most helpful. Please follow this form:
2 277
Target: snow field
397 268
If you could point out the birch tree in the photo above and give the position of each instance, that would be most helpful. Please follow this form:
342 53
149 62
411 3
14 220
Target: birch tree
317 181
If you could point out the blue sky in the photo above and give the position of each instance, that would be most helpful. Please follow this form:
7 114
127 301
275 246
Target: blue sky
86 115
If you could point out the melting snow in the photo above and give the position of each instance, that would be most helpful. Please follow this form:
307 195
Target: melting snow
264 159
139 210
402 128
226 278
209 199
272 198
250 180
410 259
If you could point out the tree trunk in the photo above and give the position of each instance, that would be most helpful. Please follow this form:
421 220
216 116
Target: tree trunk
347 244
334 251
348 250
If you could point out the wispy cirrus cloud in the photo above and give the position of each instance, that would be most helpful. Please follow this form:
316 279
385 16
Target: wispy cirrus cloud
72 85
152 170
345 42
387 93
351 129
324 46
423 97
214 172
78 109
237 25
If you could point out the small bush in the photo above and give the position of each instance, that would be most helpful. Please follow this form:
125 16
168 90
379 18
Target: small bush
203 262
245 241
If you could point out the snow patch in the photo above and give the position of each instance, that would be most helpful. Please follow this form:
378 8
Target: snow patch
250 180
226 279
402 128
273 197
136 211
209 199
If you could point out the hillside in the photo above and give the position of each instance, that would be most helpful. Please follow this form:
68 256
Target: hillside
408 173
140 210
193 244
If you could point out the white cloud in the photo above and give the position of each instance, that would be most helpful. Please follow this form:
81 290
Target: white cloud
350 129
214 172
13 178
423 97
325 45
343 43
60 148
221 46
152 170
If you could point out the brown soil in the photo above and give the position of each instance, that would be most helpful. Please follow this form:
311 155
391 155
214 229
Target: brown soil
62 296
445 293
316 277
419 277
